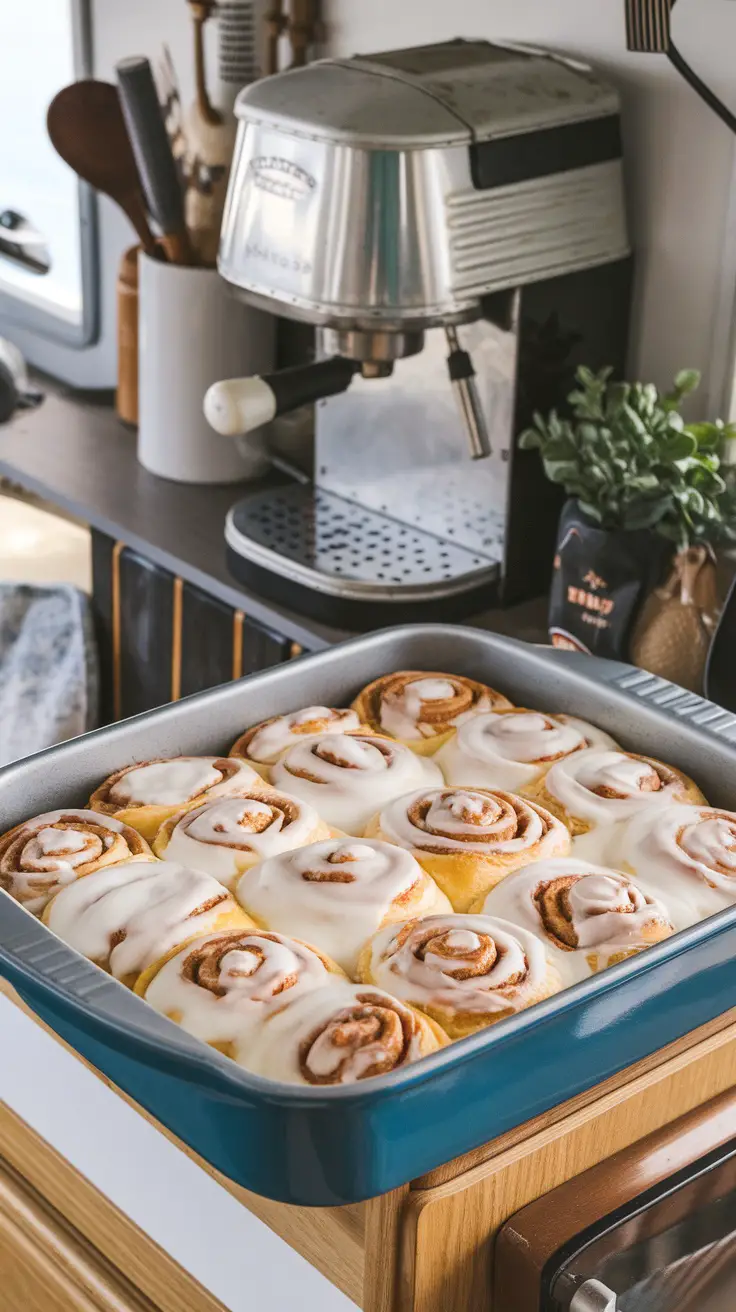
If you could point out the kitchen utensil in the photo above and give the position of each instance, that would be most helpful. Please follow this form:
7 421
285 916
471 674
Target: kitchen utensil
126 395
450 218
86 126
325 1146
302 29
201 10
237 50
152 151
188 315
274 21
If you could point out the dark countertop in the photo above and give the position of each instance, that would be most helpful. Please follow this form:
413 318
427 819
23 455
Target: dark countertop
74 453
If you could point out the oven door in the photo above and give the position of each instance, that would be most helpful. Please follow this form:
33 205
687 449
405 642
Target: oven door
652 1229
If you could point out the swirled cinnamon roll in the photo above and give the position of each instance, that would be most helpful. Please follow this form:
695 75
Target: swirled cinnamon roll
468 839
217 987
227 836
463 971
510 749
348 777
339 1035
147 793
588 916
263 744
41 856
126 917
337 893
597 787
687 854
424 710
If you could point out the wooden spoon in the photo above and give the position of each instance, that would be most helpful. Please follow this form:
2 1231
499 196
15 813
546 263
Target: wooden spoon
87 129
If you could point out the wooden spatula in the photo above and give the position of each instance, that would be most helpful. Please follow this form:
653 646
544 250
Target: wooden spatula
87 128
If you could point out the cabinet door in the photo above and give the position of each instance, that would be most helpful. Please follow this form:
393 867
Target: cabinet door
46 1266
160 638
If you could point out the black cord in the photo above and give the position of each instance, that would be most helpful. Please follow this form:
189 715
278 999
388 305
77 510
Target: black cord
703 90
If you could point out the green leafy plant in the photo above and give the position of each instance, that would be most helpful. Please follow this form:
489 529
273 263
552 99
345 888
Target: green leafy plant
632 462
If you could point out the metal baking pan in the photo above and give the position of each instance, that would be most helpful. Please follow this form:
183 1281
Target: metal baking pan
324 1147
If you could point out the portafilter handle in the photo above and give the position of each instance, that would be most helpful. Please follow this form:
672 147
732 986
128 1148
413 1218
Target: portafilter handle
238 405
462 377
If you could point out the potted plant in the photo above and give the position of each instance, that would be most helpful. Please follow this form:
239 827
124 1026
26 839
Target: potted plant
647 498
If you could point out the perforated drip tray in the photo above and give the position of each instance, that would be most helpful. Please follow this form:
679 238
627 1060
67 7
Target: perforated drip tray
332 546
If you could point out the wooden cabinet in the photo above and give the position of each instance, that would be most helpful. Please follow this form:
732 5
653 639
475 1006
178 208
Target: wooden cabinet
160 638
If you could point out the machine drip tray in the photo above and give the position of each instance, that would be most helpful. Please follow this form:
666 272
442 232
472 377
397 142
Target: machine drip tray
344 563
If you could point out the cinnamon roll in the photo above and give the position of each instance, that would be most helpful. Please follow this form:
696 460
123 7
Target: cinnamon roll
599 787
339 1035
227 836
217 987
263 744
337 893
465 972
685 853
423 710
125 917
510 749
40 856
147 793
469 839
588 916
348 777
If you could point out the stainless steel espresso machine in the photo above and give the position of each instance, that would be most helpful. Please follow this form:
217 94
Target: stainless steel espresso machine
451 219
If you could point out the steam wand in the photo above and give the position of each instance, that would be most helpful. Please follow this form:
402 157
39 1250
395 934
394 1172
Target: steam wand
462 377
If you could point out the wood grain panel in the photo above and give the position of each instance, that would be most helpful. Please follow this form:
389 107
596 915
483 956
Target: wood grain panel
46 1266
449 1229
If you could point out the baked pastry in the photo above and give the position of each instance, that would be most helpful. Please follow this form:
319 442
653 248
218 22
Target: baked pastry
510 749
217 987
348 777
423 710
338 1035
263 744
126 917
598 787
687 854
337 893
40 856
468 839
145 794
227 836
465 972
588 916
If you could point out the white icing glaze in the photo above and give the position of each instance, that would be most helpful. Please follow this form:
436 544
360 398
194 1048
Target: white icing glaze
596 902
573 783
274 737
180 780
153 902
464 820
316 1034
511 749
259 974
334 894
351 778
224 837
401 713
422 964
688 853
49 857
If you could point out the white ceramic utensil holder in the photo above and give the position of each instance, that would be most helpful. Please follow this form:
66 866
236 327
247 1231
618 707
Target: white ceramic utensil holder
192 332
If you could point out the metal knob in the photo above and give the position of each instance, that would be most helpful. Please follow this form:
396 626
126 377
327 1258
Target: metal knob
593 1297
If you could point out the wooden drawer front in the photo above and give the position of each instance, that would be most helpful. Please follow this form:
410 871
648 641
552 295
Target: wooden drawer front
46 1266
161 638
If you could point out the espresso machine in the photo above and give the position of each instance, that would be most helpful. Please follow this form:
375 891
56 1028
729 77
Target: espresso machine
451 220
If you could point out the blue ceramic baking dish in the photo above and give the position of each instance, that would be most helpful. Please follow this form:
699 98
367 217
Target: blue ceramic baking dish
326 1147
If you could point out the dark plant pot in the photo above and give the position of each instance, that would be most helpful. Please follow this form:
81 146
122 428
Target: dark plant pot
600 581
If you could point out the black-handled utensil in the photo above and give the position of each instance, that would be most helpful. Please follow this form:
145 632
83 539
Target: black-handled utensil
152 150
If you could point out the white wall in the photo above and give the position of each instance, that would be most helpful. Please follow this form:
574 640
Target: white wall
680 158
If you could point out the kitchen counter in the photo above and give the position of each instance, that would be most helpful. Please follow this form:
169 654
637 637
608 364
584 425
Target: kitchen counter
74 453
